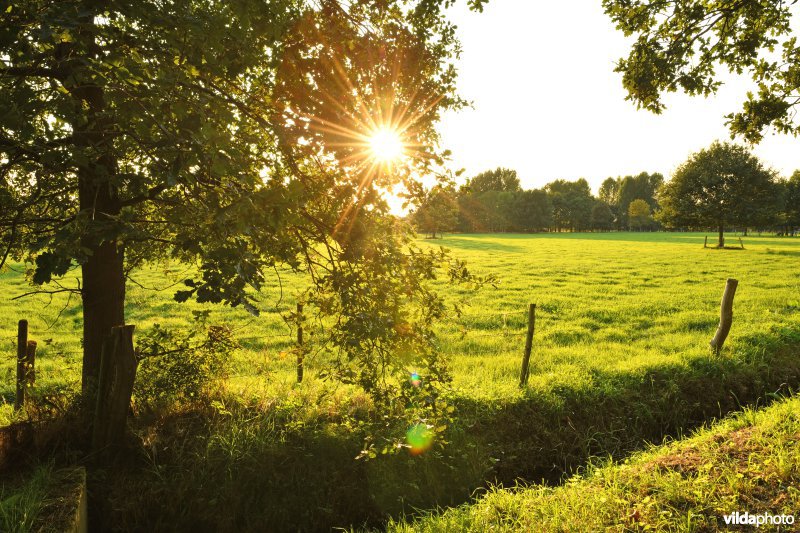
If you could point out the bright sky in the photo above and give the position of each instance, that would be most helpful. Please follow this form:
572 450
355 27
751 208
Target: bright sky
548 103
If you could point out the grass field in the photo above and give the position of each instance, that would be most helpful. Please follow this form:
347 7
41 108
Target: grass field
620 358
606 302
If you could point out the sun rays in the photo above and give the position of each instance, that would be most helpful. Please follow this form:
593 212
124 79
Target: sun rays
386 145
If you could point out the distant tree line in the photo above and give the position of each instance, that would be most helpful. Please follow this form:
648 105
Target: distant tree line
723 187
493 201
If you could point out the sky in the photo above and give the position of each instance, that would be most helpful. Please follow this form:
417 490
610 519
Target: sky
547 102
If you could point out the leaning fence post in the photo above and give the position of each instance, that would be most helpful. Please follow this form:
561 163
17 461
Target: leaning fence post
22 352
725 316
705 242
300 354
526 358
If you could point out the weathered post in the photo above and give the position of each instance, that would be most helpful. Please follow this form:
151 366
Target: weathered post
114 388
725 316
30 364
300 354
526 358
22 352
705 243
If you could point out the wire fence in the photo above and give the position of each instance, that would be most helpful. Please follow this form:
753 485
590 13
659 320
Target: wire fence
463 328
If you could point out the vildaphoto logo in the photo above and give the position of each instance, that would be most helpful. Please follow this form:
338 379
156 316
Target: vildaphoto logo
746 519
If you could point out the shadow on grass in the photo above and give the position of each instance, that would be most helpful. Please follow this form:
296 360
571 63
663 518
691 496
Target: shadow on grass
257 470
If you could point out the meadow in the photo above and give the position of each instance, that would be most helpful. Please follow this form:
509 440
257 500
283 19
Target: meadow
620 359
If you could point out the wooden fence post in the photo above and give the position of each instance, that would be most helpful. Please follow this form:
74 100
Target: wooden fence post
705 242
526 358
300 354
30 364
22 352
725 316
114 388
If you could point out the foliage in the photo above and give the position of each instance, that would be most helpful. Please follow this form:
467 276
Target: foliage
499 179
438 211
572 204
638 214
531 210
179 367
602 216
681 44
791 201
721 185
620 192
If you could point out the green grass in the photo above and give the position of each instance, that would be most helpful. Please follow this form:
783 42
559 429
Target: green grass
43 500
606 301
748 463
620 359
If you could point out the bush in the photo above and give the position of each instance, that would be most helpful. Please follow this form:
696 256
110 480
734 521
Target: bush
178 367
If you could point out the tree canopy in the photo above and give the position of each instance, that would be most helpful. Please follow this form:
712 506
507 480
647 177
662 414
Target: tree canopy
638 214
721 185
682 44
499 179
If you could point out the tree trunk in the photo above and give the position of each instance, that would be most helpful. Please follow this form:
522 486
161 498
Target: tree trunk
103 290
103 306
721 243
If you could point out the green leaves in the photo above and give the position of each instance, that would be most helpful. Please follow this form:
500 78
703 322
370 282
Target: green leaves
723 184
680 45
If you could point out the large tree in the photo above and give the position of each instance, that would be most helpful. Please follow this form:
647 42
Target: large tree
721 185
230 135
680 44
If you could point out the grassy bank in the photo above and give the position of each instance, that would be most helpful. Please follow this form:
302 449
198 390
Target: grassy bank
748 463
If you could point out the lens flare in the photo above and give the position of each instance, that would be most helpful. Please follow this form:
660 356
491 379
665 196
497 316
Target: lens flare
415 380
419 438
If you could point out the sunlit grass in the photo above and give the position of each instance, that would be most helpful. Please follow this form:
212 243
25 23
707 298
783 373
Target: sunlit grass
605 302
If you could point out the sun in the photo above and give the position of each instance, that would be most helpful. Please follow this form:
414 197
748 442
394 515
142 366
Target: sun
386 145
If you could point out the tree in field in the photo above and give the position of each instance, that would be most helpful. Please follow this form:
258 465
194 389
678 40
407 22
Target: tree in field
602 216
681 44
438 211
499 179
718 186
639 214
233 136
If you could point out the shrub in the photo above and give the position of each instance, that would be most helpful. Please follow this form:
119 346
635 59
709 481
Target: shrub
178 367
